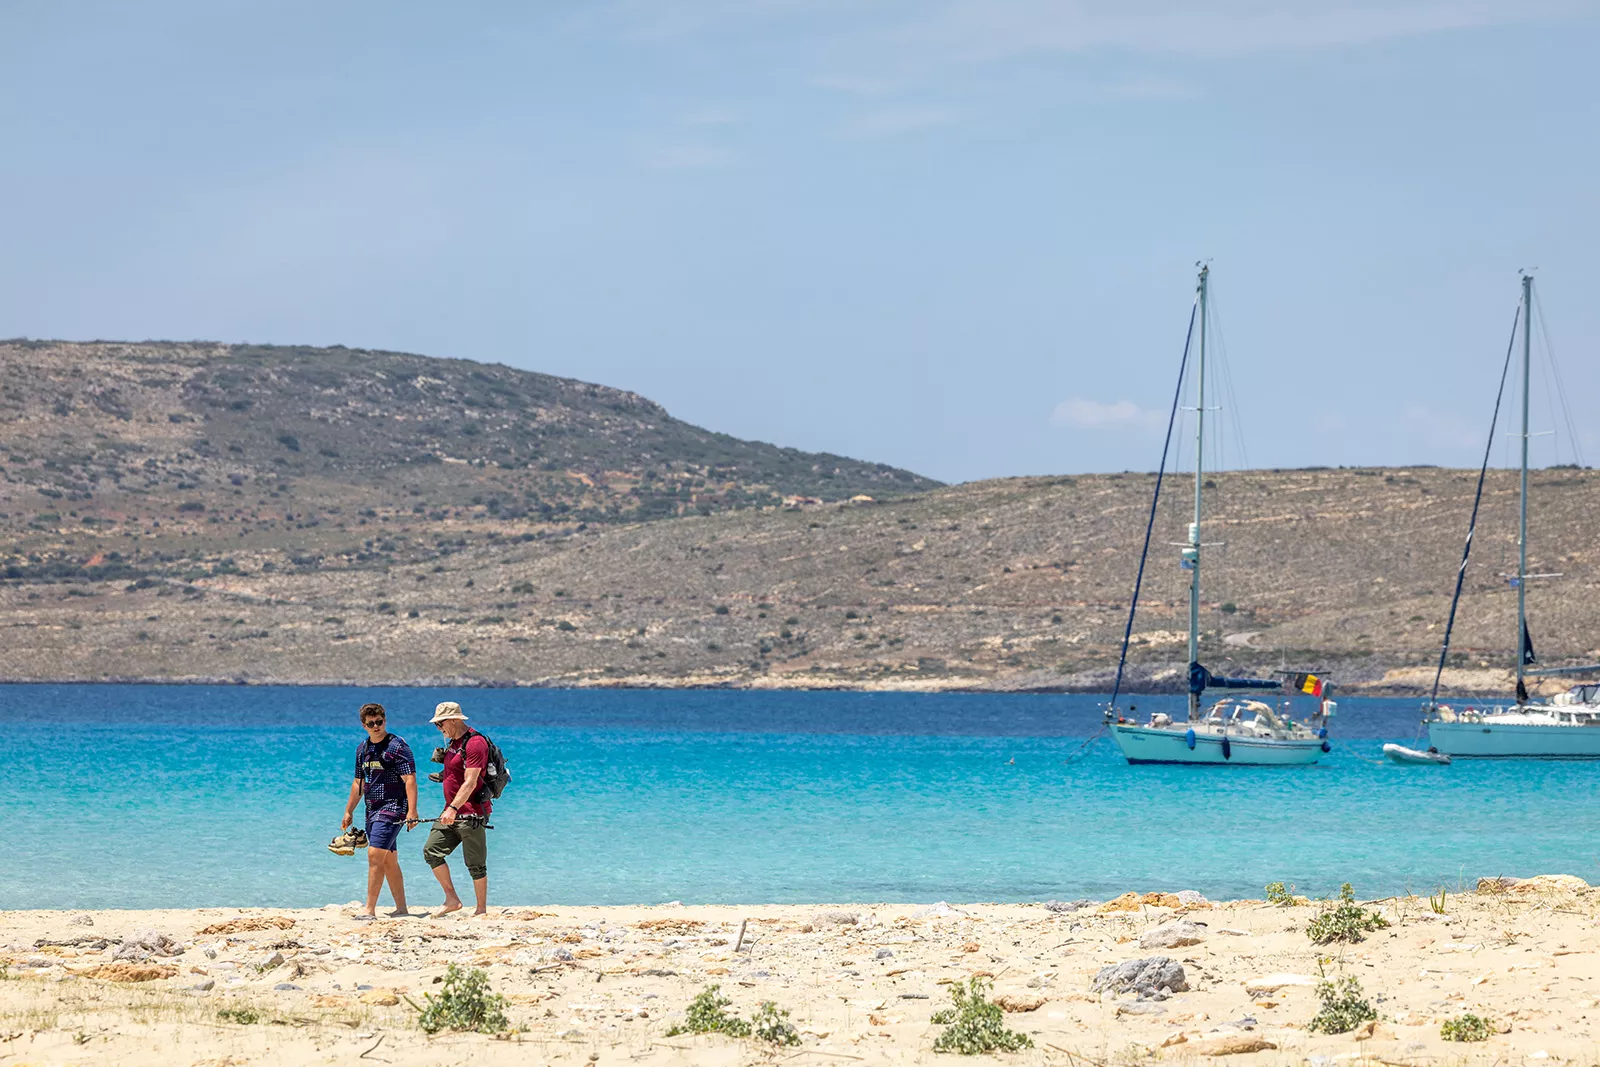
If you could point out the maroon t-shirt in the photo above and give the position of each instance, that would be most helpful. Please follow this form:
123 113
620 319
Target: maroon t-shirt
469 750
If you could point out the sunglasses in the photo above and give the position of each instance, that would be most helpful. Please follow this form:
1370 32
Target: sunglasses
372 722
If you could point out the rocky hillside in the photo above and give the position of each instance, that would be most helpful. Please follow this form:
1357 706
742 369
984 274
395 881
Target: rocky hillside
1019 583
258 439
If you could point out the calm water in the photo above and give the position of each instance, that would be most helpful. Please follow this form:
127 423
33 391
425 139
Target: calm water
145 796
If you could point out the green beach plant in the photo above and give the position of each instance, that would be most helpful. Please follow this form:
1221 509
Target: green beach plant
1436 901
1467 1027
1343 1007
770 1023
707 1014
1343 920
975 1024
464 1003
242 1016
1280 894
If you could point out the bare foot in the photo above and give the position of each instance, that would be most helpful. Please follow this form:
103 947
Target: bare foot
449 906
402 913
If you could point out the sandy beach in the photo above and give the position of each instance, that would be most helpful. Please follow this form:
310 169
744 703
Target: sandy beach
861 982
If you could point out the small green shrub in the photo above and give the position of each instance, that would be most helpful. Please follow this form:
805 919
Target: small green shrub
771 1024
242 1016
706 1015
975 1024
1280 894
1436 901
1468 1027
1343 1007
464 1003
1344 921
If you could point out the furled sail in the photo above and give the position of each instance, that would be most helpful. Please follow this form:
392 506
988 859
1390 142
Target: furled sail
1201 679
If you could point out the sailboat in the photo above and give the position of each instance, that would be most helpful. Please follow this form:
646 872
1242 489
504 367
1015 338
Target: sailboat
1566 727
1235 729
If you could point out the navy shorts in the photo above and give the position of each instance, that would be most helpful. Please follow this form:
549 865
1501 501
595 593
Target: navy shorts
381 833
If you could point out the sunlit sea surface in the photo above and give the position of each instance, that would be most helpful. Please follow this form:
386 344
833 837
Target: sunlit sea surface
187 796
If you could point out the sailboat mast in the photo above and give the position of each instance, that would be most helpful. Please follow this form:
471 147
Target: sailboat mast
1199 469
1522 529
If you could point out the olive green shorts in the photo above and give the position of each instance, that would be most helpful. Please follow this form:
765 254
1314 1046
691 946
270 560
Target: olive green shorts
442 840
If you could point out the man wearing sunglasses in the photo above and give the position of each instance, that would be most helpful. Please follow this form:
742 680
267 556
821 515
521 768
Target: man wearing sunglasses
386 774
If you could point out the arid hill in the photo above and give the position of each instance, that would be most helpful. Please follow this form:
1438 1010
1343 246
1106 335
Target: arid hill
238 443
1019 583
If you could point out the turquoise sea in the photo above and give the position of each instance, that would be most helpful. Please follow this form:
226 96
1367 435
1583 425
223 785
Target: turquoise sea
180 796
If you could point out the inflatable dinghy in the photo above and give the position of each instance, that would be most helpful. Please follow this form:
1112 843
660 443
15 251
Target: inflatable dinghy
1402 754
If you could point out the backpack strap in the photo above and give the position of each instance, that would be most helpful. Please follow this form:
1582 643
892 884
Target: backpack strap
378 751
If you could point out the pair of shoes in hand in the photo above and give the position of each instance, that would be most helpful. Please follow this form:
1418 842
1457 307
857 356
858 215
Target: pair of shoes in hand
347 843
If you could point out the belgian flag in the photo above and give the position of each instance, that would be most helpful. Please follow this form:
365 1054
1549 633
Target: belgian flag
1308 683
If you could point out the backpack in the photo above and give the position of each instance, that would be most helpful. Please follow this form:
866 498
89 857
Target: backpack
496 776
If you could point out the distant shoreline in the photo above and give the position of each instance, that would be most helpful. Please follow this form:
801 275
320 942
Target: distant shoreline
650 685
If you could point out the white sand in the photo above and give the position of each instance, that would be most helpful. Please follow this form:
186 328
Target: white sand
860 992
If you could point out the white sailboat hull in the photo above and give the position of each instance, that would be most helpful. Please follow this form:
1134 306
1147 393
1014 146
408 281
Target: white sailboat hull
1488 740
1147 744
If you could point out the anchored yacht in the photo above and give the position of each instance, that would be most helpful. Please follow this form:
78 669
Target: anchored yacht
1566 727
1234 730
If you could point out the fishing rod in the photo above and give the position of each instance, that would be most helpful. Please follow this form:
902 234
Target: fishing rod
470 820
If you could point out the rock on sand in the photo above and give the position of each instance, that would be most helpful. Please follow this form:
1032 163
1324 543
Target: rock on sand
1179 933
1145 977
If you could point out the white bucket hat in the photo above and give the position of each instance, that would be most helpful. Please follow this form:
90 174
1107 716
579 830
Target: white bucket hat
447 710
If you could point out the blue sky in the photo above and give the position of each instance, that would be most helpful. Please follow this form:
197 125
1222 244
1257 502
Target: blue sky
954 235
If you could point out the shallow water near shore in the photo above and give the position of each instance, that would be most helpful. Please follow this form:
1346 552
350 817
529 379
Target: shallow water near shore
189 796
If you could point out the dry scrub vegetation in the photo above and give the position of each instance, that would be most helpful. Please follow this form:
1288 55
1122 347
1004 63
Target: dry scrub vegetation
291 515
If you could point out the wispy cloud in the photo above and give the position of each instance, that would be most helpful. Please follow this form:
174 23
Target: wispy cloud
893 121
982 30
1148 87
686 155
890 40
1084 414
858 84
711 116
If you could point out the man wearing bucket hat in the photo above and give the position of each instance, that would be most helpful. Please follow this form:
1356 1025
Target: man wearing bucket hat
465 757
